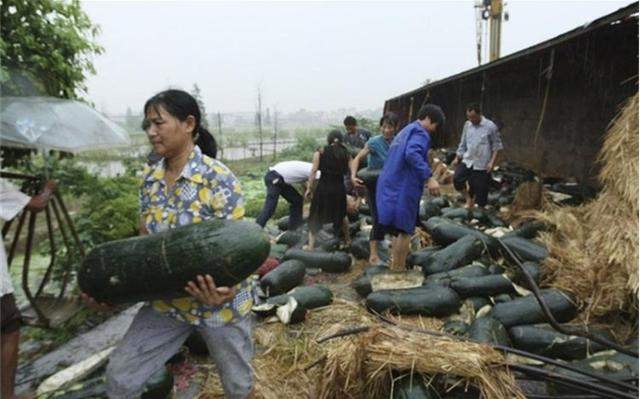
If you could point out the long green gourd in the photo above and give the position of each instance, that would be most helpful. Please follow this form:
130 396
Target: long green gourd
158 266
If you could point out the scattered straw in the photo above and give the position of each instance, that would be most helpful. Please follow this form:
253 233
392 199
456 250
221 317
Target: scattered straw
529 196
594 247
361 366
290 363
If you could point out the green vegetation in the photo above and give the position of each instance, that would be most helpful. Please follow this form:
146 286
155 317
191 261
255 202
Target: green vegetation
46 46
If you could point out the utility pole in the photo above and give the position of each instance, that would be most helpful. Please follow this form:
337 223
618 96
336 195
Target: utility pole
479 23
275 132
259 120
495 27
220 135
491 12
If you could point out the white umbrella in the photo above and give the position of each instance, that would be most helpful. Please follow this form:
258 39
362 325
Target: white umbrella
49 123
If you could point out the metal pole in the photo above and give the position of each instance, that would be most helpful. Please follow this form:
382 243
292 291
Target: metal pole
220 135
582 385
495 23
16 237
25 269
52 244
275 133
69 222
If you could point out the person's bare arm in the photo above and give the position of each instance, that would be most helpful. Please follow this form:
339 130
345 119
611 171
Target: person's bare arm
433 186
355 164
496 145
142 228
40 201
312 175
492 163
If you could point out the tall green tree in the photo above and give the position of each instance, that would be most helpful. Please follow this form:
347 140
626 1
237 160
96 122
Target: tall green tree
46 47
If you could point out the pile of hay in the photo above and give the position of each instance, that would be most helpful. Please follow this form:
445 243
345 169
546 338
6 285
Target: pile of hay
361 366
594 247
287 363
290 363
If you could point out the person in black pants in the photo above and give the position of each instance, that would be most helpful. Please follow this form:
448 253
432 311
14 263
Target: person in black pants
478 150
279 181
375 150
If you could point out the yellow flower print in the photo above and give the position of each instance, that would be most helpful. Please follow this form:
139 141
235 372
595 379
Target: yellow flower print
226 315
195 207
157 215
158 174
154 189
191 318
207 161
161 306
197 178
205 195
183 304
245 307
220 170
196 219
238 213
218 201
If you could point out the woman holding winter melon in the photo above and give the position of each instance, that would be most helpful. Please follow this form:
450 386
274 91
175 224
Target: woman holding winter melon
185 186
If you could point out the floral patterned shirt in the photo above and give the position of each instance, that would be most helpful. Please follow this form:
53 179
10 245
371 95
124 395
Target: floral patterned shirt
205 189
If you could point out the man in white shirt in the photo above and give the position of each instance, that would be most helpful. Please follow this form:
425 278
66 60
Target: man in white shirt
12 201
279 181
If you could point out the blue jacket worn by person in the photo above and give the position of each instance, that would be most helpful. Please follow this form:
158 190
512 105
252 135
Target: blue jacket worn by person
403 177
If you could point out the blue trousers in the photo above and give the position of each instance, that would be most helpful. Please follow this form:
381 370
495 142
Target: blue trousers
275 188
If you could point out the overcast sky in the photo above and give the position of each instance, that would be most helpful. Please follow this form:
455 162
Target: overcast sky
313 55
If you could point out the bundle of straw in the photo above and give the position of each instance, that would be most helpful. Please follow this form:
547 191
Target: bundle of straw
594 247
361 366
285 355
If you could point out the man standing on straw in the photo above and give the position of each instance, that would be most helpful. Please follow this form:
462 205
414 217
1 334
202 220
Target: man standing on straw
478 150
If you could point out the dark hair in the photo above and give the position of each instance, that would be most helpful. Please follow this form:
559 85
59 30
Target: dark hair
180 105
350 121
434 113
390 118
336 154
475 107
335 136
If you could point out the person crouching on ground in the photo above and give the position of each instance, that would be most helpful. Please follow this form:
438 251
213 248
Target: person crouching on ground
375 150
329 203
478 150
185 187
279 181
403 178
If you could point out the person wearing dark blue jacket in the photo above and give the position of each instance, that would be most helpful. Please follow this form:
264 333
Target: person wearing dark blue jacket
402 180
